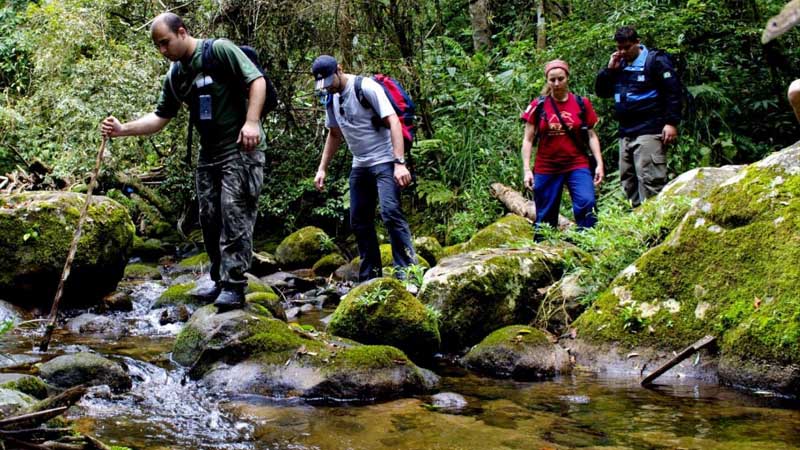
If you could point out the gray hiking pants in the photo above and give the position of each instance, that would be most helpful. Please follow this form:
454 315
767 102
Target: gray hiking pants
228 197
642 167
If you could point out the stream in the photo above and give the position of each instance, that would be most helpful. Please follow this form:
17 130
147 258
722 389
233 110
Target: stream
167 410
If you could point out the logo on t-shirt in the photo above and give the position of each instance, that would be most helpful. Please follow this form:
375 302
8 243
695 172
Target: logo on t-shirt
554 127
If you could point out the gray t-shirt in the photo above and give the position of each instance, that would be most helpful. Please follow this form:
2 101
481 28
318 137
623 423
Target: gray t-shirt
368 145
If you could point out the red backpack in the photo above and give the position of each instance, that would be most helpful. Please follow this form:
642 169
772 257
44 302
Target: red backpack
400 100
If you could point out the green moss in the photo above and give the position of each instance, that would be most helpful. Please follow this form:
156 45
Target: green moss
383 312
732 272
196 261
142 272
271 336
177 294
514 334
428 248
32 386
328 264
303 247
188 342
368 357
266 301
511 229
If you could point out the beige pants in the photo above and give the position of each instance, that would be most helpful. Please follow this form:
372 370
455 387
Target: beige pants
642 167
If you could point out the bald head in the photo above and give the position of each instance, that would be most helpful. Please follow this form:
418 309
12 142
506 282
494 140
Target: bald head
172 21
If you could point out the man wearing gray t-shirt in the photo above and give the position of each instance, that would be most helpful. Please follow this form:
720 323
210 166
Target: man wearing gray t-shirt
375 138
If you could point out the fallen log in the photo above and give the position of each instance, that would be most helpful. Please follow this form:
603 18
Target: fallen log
33 418
64 399
517 204
35 434
685 353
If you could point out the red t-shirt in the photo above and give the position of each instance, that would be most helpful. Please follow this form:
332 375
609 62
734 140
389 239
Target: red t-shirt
557 153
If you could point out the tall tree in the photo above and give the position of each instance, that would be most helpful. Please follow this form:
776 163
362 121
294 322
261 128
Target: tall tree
481 31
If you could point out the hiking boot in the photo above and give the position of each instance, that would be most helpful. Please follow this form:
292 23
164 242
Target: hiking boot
230 299
206 293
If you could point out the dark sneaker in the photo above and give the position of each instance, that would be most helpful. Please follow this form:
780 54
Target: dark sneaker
207 292
229 299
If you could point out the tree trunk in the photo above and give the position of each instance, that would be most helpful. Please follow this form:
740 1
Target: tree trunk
519 205
541 38
481 32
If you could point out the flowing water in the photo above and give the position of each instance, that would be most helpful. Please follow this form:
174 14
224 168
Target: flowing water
166 410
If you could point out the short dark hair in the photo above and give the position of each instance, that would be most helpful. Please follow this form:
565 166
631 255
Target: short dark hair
626 34
172 20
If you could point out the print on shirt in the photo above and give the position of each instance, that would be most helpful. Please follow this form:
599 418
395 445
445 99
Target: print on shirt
554 127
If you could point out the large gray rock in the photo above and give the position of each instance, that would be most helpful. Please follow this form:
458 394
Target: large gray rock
248 352
37 232
518 352
699 182
730 270
476 293
85 368
89 323
12 401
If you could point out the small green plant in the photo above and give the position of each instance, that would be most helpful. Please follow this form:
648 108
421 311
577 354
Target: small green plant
414 274
632 321
6 326
326 243
31 234
375 296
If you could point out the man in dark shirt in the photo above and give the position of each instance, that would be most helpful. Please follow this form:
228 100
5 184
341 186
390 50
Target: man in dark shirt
226 110
647 104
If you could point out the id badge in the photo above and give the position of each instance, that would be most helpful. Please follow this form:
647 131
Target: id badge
205 107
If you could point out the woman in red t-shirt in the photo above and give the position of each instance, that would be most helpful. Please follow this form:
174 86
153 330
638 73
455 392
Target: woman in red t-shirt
559 160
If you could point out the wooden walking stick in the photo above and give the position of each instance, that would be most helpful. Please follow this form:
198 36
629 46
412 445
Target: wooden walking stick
48 332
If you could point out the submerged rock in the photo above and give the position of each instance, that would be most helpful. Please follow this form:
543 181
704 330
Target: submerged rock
518 352
478 292
730 270
85 368
38 228
382 311
449 401
248 352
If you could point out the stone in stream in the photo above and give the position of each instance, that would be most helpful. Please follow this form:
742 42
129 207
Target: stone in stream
478 292
246 351
449 402
303 248
88 323
730 269
12 401
85 368
27 384
518 352
328 264
38 228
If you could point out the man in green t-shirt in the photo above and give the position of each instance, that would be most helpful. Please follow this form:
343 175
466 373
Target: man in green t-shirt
225 110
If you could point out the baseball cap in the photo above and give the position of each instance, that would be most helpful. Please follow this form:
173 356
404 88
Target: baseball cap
323 68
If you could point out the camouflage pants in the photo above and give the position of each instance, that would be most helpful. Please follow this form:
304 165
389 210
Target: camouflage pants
642 167
228 197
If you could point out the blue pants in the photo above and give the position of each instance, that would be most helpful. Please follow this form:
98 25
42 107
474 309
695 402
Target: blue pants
547 189
368 185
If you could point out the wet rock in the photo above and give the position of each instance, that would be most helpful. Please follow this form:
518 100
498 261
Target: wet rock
381 311
727 270
14 313
303 247
199 263
478 292
518 352
449 401
148 249
292 313
95 324
347 272
247 352
288 282
117 301
174 315
328 264
18 362
177 294
37 232
85 368
429 248
263 263
12 401
511 229
262 294
26 384
561 304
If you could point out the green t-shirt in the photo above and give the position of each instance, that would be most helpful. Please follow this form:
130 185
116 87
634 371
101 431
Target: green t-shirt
228 99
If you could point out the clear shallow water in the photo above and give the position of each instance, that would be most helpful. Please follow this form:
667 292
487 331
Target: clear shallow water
165 410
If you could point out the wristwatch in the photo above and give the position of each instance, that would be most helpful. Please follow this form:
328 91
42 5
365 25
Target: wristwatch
401 161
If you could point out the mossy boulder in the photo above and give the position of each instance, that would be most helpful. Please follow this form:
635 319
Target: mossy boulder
730 269
147 249
263 264
27 384
697 183
248 352
518 352
328 264
428 248
198 263
141 272
85 368
303 248
38 228
382 311
177 294
387 260
478 292
509 230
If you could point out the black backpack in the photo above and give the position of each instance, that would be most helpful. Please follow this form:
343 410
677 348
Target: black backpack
210 67
538 113
687 99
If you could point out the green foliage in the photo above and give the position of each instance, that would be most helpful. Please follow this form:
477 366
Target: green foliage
375 296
